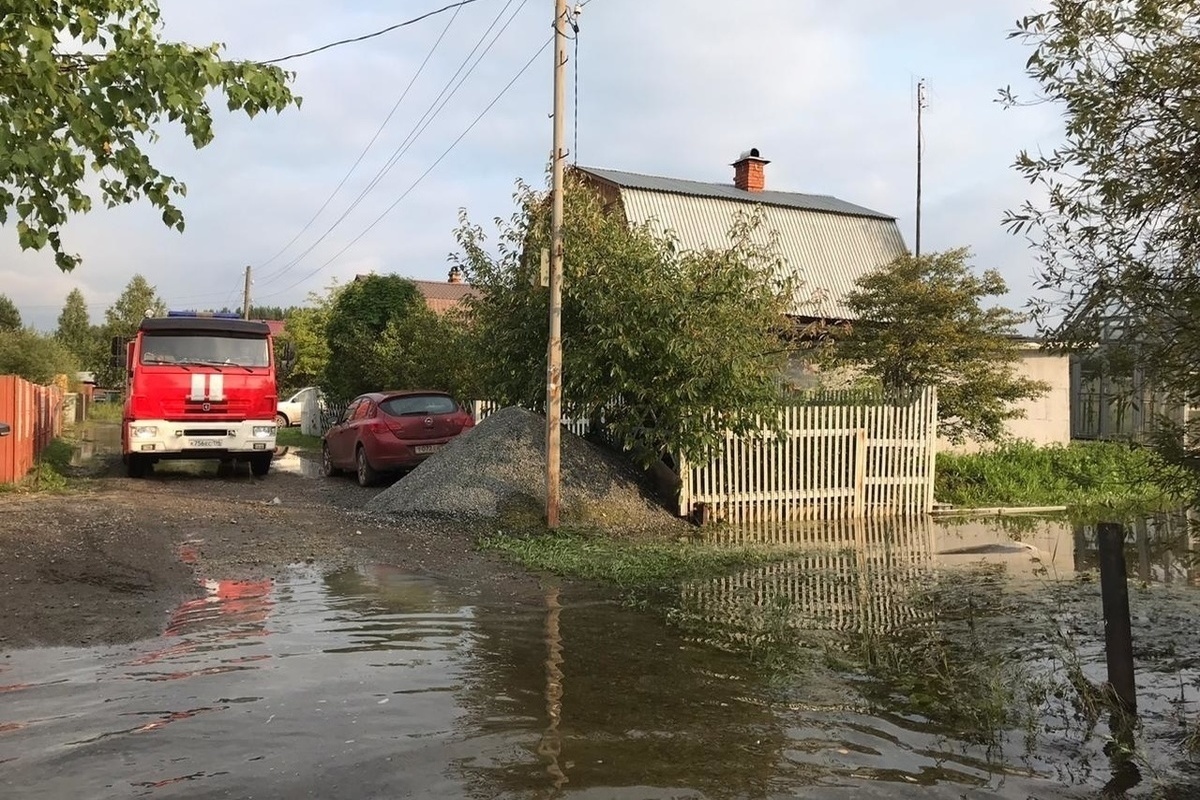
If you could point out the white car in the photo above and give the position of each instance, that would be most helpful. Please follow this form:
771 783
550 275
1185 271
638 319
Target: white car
291 411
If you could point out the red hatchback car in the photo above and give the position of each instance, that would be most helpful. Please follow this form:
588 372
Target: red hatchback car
391 431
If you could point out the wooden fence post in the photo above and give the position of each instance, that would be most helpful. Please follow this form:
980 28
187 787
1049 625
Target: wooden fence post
1114 593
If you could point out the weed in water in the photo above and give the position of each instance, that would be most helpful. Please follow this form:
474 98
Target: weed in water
1081 475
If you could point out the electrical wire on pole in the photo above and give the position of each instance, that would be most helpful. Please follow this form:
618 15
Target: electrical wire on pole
421 177
369 145
431 113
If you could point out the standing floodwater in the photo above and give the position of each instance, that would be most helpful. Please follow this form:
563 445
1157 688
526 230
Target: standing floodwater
887 661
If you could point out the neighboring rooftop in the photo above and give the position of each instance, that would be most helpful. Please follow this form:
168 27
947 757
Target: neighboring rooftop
826 244
723 191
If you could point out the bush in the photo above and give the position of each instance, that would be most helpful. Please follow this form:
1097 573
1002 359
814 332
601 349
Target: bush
33 356
1081 474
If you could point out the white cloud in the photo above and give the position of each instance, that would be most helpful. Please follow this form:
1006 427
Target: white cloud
823 89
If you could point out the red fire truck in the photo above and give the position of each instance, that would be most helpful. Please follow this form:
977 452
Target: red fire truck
199 386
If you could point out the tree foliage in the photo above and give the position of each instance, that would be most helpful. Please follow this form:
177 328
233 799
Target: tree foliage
425 350
84 85
77 333
359 316
10 316
685 344
121 321
1115 222
34 356
921 323
304 329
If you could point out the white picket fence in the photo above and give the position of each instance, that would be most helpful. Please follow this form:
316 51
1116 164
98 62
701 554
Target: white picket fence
482 409
845 460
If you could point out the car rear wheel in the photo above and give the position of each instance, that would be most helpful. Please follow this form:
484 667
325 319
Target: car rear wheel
367 476
281 420
327 467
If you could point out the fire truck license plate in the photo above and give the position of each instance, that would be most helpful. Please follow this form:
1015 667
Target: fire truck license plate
204 442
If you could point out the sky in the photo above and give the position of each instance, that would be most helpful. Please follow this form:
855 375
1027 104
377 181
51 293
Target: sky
826 91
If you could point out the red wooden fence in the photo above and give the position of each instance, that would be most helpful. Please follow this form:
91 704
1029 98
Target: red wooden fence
34 413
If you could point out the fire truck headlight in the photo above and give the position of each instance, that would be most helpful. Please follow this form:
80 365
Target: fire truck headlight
264 431
145 431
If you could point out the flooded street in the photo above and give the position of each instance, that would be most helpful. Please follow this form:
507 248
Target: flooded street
891 662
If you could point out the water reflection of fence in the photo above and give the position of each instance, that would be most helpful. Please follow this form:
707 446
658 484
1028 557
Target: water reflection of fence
854 575
841 458
35 415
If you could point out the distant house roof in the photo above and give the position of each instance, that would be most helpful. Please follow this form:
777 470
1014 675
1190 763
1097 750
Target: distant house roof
276 326
827 243
441 296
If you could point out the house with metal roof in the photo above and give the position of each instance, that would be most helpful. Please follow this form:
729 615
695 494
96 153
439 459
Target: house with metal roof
827 244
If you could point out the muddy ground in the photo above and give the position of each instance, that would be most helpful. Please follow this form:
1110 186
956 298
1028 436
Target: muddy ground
106 561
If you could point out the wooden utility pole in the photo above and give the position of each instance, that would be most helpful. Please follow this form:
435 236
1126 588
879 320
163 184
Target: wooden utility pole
921 103
246 296
554 352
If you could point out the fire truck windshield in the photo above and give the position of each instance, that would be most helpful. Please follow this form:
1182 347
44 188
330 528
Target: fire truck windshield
207 349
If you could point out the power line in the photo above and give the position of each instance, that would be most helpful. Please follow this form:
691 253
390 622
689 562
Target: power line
423 175
367 36
419 128
374 138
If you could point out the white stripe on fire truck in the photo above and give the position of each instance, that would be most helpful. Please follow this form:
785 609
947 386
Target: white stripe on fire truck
197 387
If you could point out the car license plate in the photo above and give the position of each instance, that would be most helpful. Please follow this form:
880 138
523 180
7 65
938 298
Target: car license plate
422 449
204 442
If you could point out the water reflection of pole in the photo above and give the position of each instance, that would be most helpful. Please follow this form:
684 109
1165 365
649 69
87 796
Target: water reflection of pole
550 746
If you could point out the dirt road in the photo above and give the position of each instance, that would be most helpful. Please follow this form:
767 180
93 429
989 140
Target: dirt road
106 561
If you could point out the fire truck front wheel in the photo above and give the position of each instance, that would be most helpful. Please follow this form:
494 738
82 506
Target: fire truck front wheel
136 466
260 465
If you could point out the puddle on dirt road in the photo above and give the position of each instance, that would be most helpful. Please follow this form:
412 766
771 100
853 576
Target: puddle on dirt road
886 662
94 439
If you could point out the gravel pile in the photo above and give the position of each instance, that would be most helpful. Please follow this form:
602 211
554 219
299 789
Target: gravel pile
500 464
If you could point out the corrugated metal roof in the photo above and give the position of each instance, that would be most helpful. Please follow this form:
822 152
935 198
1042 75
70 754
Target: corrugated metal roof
722 191
827 252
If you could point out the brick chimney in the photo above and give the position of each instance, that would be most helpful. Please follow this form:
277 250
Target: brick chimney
455 275
748 171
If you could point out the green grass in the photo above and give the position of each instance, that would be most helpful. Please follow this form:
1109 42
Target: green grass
292 437
1080 475
48 471
104 412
